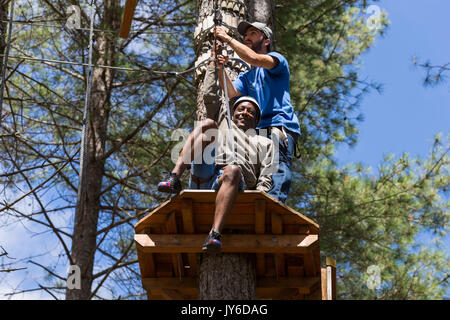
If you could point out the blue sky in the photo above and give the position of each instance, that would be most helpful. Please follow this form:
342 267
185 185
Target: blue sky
406 116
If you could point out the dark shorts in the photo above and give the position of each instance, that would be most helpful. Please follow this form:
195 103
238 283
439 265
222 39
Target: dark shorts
212 172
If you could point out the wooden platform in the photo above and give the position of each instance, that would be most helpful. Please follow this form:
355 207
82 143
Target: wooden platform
285 245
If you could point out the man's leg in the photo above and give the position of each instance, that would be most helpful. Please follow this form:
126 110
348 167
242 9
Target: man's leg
197 140
283 177
230 183
226 196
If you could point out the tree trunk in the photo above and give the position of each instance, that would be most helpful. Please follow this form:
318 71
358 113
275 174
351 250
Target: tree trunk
84 242
224 276
228 276
262 11
3 28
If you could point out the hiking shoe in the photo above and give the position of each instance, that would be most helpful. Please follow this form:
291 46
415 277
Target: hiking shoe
171 184
212 243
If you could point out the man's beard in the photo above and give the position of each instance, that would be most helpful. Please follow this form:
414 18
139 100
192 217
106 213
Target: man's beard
257 47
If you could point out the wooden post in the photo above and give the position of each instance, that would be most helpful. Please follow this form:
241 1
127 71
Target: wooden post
127 18
331 278
328 276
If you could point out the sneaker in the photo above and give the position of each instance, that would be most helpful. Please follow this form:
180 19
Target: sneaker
171 184
212 243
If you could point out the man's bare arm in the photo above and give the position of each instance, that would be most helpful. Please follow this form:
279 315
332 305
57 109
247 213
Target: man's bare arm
245 53
221 60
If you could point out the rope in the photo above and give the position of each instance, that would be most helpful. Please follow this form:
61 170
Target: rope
231 136
218 21
5 62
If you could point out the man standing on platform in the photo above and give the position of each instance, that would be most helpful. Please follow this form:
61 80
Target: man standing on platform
268 83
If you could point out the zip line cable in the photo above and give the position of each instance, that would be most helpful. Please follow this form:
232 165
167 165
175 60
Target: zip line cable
61 26
172 73
5 61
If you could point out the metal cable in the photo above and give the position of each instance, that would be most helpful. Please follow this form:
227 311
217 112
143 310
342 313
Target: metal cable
39 24
173 73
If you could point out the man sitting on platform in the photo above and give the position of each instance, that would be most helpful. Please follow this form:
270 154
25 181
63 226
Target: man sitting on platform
250 166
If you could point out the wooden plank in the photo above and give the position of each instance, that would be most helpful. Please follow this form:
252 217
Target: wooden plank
277 223
323 282
304 284
249 196
164 270
295 271
280 265
260 226
245 228
207 208
277 228
154 297
163 258
193 266
261 293
173 243
154 217
169 283
209 196
260 216
171 227
127 18
276 293
187 214
309 264
260 264
171 294
232 219
330 262
146 263
316 257
294 265
316 295
283 209
235 217
181 293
